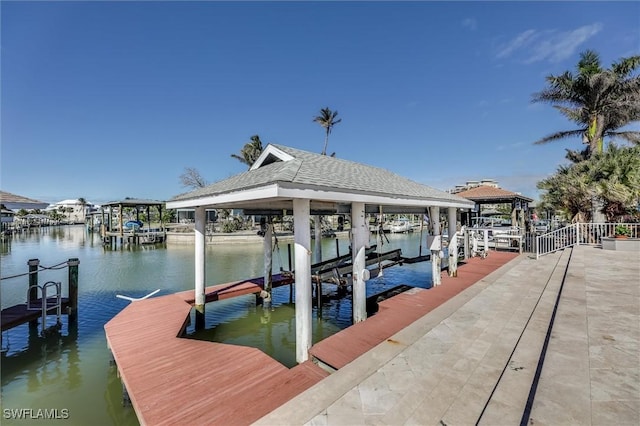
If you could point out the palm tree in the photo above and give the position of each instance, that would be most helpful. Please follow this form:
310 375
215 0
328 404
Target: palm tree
250 151
610 180
327 119
600 101
83 204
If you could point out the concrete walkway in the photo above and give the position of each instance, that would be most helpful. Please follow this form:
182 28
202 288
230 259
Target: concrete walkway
548 341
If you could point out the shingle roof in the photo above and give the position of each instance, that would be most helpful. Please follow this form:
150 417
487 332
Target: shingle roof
134 202
484 192
13 201
7 197
321 171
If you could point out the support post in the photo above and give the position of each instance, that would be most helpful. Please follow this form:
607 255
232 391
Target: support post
268 266
302 240
200 255
317 249
453 242
436 261
358 244
33 279
33 282
73 288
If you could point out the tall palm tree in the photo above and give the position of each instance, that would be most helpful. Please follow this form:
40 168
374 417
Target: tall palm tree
83 204
600 101
250 151
327 119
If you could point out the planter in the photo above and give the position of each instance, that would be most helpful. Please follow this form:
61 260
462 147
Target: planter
621 244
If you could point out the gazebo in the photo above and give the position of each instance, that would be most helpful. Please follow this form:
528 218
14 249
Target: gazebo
285 180
110 233
482 194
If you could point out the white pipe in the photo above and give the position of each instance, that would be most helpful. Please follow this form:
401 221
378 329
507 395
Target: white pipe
358 245
302 242
200 251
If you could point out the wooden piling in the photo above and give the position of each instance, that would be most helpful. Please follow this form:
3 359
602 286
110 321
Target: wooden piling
33 279
72 310
32 294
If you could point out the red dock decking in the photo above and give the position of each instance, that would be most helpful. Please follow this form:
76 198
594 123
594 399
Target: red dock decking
172 380
399 311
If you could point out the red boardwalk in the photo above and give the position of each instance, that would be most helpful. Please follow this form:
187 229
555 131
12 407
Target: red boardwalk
399 311
173 380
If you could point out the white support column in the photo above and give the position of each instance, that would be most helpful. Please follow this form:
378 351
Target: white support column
485 240
268 266
200 254
317 249
436 262
358 245
302 267
453 242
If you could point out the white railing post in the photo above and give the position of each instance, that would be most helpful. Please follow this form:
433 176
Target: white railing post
577 233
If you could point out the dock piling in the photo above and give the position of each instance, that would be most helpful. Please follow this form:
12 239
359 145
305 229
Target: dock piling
32 295
72 310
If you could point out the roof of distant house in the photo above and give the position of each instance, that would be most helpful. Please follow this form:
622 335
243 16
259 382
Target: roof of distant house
13 201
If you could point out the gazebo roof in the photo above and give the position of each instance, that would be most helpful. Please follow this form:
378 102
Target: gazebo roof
283 173
133 202
488 194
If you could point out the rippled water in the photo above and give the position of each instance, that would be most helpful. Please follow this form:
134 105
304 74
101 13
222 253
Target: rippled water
73 370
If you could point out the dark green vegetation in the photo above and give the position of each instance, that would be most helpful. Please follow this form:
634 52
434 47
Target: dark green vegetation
598 179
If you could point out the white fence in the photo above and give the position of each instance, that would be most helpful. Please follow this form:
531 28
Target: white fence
580 233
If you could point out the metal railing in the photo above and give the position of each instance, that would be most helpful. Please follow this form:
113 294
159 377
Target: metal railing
580 233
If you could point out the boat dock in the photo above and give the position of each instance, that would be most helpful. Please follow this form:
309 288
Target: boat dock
172 380
547 341
38 293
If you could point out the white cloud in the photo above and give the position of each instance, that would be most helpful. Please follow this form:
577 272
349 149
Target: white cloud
522 40
470 23
561 46
549 45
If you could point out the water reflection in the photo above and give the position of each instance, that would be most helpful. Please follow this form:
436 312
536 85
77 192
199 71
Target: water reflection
73 370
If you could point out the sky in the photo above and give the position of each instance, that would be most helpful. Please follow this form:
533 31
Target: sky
107 100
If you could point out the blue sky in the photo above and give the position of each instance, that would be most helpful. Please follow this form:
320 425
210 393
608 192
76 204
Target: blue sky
106 100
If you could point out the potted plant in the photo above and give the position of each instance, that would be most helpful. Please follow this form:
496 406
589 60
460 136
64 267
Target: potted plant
622 231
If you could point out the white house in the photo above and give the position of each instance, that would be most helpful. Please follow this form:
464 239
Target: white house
73 209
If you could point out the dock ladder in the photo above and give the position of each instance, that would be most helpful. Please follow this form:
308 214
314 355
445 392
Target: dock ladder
46 303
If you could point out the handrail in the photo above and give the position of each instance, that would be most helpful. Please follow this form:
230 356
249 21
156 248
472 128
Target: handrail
45 306
579 233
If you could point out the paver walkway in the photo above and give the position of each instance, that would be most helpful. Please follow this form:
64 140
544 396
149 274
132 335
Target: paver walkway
477 358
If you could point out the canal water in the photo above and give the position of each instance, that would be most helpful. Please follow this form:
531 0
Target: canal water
71 373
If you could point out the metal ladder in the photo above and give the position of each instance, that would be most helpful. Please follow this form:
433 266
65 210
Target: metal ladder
48 302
